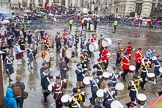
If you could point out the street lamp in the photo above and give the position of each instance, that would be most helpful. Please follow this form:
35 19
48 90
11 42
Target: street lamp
1 82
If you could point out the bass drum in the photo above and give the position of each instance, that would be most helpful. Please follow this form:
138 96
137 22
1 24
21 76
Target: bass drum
68 53
86 80
141 99
50 86
160 70
106 42
119 86
132 68
66 99
116 104
151 76
93 47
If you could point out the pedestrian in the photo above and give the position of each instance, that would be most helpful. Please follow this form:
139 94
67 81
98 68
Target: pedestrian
79 74
70 23
18 53
9 65
58 42
129 49
82 22
149 55
95 24
30 56
9 100
45 81
22 43
4 48
63 69
29 37
18 89
115 25
58 89
47 57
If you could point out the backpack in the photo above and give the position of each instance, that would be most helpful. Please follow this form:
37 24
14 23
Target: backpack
17 90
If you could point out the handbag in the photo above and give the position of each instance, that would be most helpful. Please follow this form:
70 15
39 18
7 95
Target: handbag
25 95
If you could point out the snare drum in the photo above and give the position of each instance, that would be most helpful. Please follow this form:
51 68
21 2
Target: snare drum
119 86
86 80
106 42
100 93
68 53
106 75
65 99
160 69
151 76
132 68
50 86
93 47
116 104
141 99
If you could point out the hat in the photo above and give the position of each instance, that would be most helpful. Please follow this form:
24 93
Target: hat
135 77
114 67
58 77
139 48
78 64
44 63
110 84
75 90
94 73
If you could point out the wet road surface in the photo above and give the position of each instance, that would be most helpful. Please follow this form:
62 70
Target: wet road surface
31 79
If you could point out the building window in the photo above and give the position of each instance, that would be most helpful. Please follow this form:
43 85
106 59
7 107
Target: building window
138 8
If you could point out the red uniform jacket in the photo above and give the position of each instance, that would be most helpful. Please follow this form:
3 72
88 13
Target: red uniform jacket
44 38
93 39
129 49
138 57
104 56
125 63
58 89
64 35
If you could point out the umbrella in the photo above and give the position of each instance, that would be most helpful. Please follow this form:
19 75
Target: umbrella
26 10
50 14
5 22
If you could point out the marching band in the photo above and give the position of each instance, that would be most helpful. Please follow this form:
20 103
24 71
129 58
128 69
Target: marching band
104 83
93 73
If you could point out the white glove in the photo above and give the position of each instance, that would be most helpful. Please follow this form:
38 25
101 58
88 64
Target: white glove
112 92
64 80
82 93
120 72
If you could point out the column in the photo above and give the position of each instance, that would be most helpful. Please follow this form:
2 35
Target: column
66 3
130 6
20 3
28 3
146 8
36 3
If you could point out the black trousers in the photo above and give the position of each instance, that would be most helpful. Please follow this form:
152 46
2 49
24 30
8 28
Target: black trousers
58 104
138 65
124 74
58 47
45 95
106 65
93 98
114 28
19 102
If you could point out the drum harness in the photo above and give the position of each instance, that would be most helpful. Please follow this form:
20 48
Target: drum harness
78 105
58 90
108 91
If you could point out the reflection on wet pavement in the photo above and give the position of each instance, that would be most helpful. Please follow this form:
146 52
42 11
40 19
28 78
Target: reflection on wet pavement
31 78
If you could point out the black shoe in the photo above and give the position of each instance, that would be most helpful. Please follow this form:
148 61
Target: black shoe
10 80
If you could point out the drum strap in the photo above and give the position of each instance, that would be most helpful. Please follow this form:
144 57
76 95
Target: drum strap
108 91
76 102
95 83
115 76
